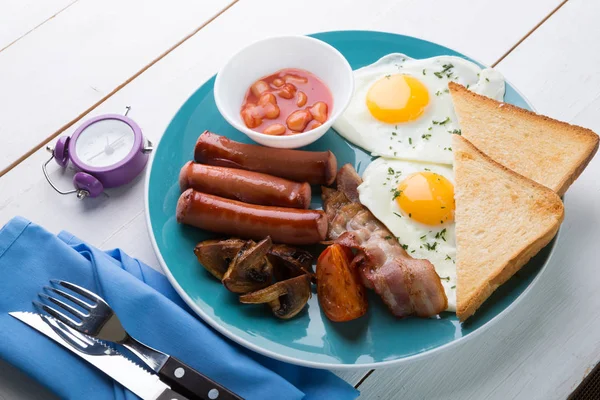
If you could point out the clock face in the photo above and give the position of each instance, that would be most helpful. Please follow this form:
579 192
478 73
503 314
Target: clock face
104 143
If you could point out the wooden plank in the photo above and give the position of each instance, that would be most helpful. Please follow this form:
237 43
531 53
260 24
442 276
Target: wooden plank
105 30
19 17
156 95
73 61
545 346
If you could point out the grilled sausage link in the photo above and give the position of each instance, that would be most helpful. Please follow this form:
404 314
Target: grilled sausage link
231 217
316 168
246 186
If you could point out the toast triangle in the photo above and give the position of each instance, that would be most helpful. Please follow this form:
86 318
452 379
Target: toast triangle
502 220
548 151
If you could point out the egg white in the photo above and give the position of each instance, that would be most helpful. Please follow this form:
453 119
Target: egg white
380 179
427 138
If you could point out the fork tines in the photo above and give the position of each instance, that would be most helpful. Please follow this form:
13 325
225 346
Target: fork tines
65 306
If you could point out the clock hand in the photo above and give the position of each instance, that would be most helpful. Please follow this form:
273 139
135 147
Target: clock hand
108 146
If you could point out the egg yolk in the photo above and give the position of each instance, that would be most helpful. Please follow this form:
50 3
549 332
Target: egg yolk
397 98
426 197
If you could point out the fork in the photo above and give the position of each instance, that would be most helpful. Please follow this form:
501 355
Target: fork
100 322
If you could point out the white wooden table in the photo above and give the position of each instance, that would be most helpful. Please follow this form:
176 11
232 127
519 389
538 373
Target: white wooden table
64 60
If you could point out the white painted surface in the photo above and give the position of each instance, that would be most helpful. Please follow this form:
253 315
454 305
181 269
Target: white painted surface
72 61
18 17
500 362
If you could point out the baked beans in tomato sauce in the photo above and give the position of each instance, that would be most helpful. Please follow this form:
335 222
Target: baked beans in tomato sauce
287 102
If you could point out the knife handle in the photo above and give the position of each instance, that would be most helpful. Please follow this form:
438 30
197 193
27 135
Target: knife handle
168 394
191 383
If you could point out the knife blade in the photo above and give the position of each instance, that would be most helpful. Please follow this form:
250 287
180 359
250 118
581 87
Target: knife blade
139 381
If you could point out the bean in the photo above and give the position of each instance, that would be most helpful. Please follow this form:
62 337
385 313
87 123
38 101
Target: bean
295 79
252 117
278 82
312 125
271 111
287 91
259 87
301 100
266 98
298 120
275 129
319 111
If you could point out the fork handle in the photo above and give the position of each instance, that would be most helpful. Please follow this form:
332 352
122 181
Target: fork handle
191 383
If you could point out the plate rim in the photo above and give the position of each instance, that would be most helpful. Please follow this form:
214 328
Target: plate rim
318 364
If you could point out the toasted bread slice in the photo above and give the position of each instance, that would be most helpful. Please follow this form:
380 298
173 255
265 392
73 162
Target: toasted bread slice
502 220
548 151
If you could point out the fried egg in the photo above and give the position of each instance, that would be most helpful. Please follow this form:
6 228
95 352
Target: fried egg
415 201
401 107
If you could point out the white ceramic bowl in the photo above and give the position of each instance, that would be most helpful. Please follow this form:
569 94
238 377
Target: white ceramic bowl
268 56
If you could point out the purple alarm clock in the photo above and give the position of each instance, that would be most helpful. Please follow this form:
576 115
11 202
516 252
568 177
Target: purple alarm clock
107 151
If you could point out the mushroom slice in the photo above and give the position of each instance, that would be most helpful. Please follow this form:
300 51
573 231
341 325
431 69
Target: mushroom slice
286 298
289 262
250 270
216 255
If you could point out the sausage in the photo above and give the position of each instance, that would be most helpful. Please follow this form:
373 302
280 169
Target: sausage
246 186
316 168
231 217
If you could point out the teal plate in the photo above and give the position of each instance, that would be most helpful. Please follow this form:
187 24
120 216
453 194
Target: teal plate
309 339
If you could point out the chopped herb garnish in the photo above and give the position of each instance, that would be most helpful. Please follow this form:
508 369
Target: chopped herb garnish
424 72
396 193
394 154
405 246
431 247
393 133
441 234
438 93
426 169
445 278
448 257
453 287
388 237
456 132
438 74
468 85
426 136
412 251
409 140
430 128
444 122
387 76
423 237
398 215
487 79
390 171
446 91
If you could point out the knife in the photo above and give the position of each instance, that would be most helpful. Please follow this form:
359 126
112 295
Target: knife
133 377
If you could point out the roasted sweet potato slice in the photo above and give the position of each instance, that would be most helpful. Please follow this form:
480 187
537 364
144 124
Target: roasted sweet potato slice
341 293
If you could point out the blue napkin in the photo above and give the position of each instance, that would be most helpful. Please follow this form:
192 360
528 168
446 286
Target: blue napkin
148 307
